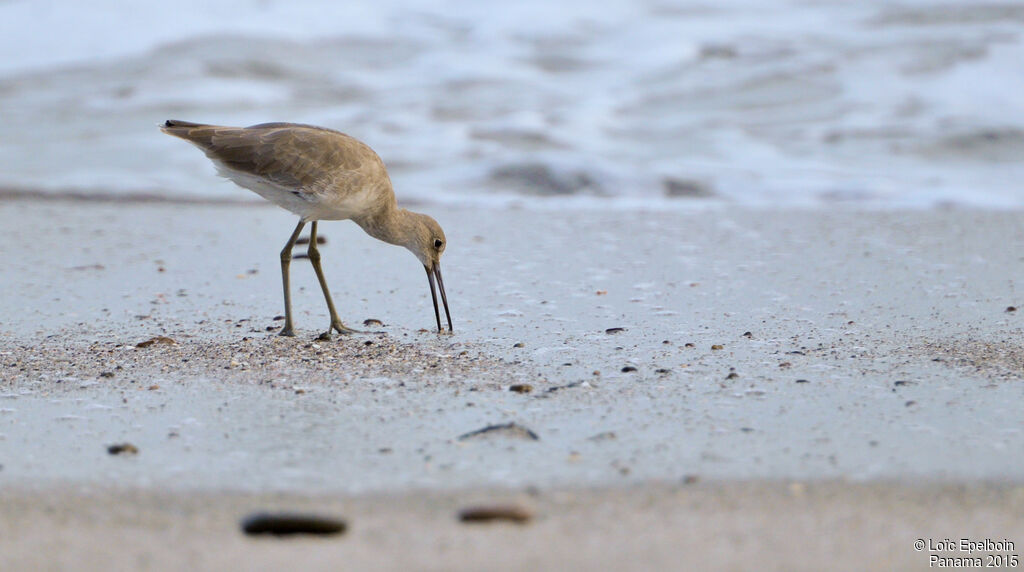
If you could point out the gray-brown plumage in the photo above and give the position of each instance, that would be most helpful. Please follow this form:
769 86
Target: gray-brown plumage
319 174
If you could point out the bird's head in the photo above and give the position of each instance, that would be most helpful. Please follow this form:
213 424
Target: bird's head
427 241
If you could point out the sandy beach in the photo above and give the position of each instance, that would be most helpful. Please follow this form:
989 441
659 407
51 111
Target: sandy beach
717 384
734 286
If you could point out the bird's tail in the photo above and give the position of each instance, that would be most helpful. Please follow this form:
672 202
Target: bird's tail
178 127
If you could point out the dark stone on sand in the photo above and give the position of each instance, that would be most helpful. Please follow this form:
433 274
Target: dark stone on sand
123 449
567 386
320 239
628 369
492 513
603 436
372 322
287 524
615 330
520 388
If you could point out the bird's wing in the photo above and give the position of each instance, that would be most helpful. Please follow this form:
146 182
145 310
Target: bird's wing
297 157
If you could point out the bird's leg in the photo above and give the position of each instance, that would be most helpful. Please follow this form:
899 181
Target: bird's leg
314 257
286 259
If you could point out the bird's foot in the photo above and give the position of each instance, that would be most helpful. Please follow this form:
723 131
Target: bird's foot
337 326
343 329
287 331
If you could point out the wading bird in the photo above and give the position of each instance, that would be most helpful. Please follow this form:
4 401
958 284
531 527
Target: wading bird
319 174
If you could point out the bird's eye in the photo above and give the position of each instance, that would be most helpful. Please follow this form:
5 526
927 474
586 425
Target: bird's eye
438 243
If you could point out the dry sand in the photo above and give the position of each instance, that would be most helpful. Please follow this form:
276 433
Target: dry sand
838 383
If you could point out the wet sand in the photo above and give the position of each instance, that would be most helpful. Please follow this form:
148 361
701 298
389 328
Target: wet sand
706 526
834 369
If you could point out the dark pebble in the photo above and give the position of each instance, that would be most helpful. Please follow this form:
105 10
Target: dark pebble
520 388
1011 308
662 370
628 369
305 240
372 322
732 375
901 382
106 374
802 381
569 385
123 449
602 436
689 345
284 524
518 345
717 347
748 334
615 330
507 513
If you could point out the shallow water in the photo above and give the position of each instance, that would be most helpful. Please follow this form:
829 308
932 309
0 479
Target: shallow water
650 103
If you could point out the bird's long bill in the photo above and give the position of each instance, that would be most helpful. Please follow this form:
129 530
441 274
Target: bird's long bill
431 273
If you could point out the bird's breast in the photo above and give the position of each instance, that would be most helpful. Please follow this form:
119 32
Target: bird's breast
356 203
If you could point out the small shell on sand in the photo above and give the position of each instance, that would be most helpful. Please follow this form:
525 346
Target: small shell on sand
156 340
507 430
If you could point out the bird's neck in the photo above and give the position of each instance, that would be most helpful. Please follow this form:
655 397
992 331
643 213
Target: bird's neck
390 224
